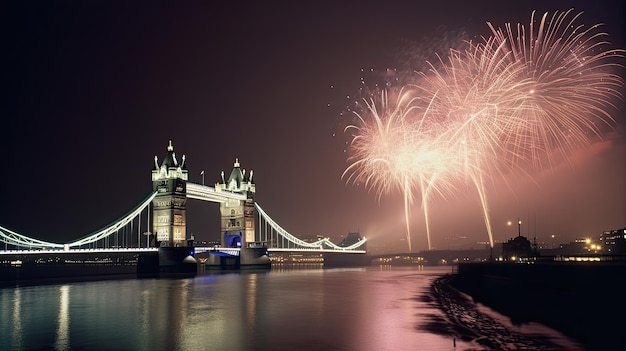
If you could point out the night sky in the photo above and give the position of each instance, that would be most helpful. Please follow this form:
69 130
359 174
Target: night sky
93 90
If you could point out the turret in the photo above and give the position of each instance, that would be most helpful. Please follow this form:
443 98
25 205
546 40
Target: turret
238 181
169 180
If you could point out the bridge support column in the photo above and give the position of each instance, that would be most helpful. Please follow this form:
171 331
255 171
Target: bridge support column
177 260
251 258
167 261
255 258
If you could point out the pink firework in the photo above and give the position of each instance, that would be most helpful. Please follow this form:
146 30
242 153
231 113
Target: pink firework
506 104
509 104
398 148
472 94
567 88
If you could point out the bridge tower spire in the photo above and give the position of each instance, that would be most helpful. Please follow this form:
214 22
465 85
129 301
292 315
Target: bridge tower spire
169 218
238 221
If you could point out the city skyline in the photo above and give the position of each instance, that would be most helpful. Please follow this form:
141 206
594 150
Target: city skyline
97 90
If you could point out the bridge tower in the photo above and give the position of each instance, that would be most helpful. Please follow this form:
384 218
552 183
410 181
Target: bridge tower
237 215
169 206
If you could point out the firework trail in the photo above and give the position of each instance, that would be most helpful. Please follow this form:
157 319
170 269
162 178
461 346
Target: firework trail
395 148
474 91
499 106
378 146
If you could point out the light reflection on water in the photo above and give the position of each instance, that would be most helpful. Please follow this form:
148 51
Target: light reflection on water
377 308
62 336
16 332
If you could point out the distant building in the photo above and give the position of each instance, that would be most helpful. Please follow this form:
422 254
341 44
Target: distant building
614 242
351 239
579 247
584 247
516 248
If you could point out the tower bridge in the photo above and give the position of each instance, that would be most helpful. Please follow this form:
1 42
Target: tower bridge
159 222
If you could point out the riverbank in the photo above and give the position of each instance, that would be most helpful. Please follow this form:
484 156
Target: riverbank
470 324
584 301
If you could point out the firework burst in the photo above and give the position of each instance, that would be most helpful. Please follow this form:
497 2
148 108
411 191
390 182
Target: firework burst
473 97
567 87
395 147
499 106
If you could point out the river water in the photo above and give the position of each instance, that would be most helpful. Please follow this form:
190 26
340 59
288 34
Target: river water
373 308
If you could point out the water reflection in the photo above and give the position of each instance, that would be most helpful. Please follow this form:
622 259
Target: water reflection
16 334
11 332
250 302
62 340
378 308
164 309
145 297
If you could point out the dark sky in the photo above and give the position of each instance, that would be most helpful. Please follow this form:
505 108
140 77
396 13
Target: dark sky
93 90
